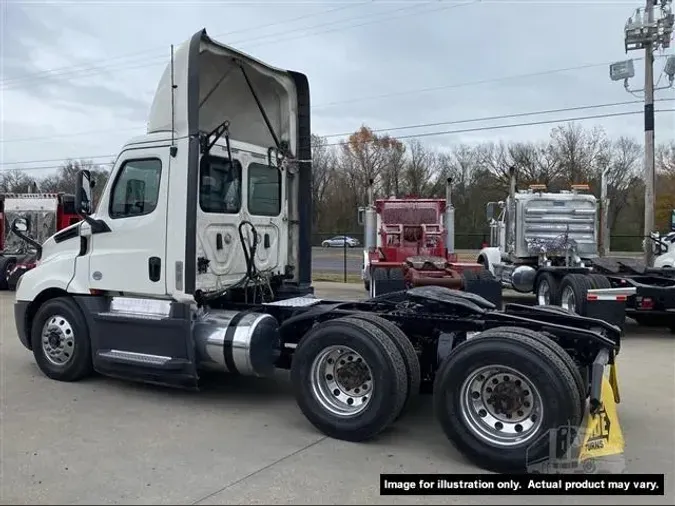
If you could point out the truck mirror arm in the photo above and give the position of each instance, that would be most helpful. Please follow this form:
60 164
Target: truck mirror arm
26 238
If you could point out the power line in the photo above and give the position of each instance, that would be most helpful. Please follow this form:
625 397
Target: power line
514 125
410 136
148 62
502 116
408 127
347 101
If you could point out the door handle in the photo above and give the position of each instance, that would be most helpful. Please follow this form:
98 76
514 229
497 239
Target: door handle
154 268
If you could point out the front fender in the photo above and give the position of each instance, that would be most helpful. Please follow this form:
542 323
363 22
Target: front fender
489 257
56 273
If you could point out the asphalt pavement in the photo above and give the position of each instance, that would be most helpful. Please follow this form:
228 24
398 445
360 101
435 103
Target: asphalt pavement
244 441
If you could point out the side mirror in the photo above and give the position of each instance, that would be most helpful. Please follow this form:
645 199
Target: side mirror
490 210
361 215
20 225
83 200
672 220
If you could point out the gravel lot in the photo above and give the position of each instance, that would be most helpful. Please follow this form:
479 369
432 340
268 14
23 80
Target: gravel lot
243 441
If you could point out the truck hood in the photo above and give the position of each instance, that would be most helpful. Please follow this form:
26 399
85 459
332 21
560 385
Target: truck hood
210 87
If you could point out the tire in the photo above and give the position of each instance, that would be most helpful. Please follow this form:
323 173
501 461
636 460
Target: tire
66 319
576 286
6 263
552 390
546 279
599 281
407 350
547 340
387 369
366 285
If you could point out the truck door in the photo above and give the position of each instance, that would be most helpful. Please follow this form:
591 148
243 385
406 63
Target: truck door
132 259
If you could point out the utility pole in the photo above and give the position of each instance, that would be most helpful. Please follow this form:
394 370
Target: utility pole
643 31
650 174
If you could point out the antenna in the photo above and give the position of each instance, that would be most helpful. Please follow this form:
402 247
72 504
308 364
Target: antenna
173 149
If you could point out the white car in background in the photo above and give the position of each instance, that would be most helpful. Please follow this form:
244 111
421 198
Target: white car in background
339 241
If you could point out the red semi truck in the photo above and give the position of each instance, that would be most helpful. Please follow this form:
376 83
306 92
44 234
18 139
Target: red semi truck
410 242
47 213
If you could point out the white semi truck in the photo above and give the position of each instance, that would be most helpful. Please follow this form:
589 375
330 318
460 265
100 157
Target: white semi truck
198 257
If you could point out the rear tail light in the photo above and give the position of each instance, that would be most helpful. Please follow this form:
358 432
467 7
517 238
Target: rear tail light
645 303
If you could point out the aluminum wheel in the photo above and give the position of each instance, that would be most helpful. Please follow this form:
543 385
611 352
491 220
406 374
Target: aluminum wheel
342 381
58 340
501 406
544 293
568 300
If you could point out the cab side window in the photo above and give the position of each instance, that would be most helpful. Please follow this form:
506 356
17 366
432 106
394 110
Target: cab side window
264 190
136 189
219 185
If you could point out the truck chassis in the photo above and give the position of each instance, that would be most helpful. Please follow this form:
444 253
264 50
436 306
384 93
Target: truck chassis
652 304
500 379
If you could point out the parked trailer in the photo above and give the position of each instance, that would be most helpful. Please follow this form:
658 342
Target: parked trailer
546 243
47 213
410 242
154 286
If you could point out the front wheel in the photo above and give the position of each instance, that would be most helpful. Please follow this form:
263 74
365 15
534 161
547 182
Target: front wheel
349 379
60 340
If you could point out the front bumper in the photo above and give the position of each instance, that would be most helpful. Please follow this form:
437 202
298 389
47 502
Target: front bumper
20 310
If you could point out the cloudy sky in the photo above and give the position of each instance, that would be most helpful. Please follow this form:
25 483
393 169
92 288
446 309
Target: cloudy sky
78 77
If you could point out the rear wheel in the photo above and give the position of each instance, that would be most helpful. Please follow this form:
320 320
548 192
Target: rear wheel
548 340
349 379
573 291
497 397
407 350
599 281
547 290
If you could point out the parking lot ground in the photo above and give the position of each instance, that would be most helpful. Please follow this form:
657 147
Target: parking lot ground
244 441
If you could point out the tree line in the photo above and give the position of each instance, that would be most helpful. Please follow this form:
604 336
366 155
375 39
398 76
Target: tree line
341 171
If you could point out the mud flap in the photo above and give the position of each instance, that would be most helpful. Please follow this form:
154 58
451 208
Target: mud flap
601 430
608 304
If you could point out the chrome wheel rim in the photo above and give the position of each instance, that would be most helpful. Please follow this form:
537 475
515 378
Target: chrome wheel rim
58 340
341 381
501 406
568 300
544 294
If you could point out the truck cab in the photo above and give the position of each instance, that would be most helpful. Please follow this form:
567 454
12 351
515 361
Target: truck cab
224 136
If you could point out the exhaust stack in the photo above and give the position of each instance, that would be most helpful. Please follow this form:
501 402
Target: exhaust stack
449 218
370 220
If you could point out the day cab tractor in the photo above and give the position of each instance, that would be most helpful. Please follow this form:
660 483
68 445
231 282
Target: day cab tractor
546 243
46 212
198 257
410 242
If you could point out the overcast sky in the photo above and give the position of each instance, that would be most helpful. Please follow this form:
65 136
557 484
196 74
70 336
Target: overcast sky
90 68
